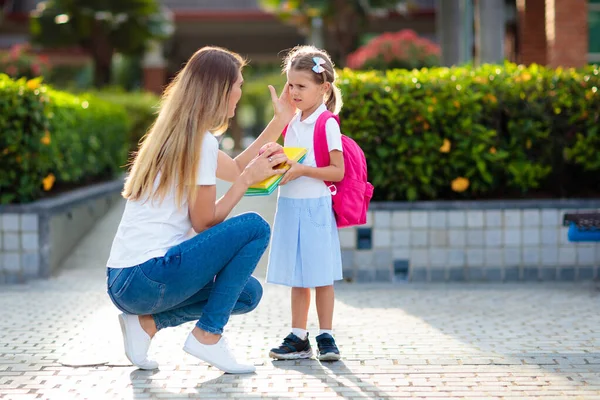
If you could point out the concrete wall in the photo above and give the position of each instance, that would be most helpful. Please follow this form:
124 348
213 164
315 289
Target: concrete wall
456 241
35 238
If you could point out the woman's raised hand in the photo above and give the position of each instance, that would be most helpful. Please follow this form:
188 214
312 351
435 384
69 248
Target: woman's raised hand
263 166
283 106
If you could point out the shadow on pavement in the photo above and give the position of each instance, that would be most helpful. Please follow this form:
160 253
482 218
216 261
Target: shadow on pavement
150 382
336 375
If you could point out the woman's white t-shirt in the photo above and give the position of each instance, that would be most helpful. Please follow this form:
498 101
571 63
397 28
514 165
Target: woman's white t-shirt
149 229
301 134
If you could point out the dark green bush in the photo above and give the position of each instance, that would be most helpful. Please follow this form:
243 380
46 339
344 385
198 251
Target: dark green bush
53 137
464 132
141 109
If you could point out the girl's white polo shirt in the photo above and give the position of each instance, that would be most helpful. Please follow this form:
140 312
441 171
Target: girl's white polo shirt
301 134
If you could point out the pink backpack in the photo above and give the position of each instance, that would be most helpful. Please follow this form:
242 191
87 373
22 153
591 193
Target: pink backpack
352 195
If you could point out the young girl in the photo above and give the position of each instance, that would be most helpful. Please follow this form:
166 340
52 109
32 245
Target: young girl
157 275
305 248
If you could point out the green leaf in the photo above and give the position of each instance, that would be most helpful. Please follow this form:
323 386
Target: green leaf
411 194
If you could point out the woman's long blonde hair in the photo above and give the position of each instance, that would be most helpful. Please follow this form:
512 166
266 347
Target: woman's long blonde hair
196 101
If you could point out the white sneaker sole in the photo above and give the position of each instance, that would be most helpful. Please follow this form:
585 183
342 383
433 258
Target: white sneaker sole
248 370
292 356
329 357
147 365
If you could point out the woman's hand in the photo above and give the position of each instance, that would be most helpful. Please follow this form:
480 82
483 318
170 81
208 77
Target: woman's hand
283 106
296 171
263 166
273 147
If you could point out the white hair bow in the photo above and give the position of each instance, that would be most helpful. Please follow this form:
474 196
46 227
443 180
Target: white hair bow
318 62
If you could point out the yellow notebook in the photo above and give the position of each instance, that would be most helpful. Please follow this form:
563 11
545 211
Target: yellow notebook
268 185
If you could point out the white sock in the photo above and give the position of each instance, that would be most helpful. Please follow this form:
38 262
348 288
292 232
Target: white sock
301 333
322 331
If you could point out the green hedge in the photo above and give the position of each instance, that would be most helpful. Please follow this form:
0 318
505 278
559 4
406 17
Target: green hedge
486 132
141 109
255 109
54 139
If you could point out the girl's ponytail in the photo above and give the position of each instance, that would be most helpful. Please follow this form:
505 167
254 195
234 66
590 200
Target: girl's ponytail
334 100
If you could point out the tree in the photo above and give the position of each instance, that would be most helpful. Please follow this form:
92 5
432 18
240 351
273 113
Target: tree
344 19
101 28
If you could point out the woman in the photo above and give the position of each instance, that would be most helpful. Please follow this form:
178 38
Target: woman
159 276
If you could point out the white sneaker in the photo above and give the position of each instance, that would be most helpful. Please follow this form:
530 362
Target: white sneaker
136 341
218 355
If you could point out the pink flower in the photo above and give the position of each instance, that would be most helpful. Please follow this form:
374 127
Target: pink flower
15 51
433 49
36 69
404 46
18 49
12 70
407 34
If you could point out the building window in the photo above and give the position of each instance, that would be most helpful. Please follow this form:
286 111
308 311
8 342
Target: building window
594 31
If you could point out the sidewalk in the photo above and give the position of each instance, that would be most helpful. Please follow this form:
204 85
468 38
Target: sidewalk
59 339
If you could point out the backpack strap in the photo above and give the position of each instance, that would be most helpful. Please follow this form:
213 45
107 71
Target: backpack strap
320 139
320 142
284 131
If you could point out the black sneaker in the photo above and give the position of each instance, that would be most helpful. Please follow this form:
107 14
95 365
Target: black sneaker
328 351
292 348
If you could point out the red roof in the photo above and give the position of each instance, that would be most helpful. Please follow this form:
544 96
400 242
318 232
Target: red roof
205 9
24 6
219 6
212 5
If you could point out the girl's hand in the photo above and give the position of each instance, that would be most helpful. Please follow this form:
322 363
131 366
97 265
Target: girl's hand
296 171
283 106
262 166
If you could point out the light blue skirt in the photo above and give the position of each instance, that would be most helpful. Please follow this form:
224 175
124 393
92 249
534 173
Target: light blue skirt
305 246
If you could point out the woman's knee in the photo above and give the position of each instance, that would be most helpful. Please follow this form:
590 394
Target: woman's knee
257 223
253 293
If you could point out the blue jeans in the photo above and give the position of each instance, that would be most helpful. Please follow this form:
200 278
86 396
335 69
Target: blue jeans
206 278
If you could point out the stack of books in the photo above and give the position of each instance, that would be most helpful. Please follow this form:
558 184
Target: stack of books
269 185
